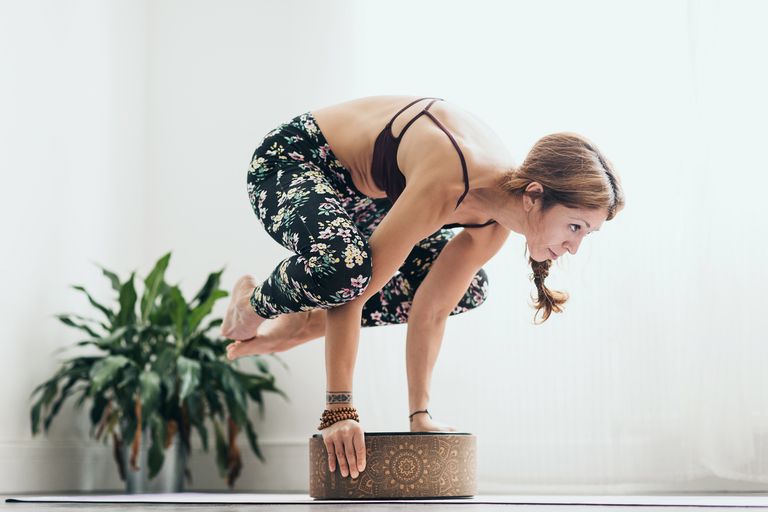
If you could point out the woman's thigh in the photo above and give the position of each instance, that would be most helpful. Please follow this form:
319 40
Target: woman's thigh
300 208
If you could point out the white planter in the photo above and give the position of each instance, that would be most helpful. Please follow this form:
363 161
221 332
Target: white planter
170 478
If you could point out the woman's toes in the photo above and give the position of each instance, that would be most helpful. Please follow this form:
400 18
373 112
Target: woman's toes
232 351
248 347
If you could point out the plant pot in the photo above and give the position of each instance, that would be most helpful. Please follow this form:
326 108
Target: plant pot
170 478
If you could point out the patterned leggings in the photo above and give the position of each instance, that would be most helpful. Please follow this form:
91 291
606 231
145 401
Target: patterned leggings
307 202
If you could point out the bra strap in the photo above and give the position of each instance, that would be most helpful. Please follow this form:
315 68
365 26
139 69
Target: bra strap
407 106
389 124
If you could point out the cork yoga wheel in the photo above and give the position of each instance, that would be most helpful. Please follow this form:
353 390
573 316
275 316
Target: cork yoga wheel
400 465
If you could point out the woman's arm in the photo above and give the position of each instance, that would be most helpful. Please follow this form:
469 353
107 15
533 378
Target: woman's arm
419 211
422 346
443 287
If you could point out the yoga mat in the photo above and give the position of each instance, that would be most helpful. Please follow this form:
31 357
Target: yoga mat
682 500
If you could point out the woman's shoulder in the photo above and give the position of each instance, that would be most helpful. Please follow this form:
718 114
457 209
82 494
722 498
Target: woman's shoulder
442 152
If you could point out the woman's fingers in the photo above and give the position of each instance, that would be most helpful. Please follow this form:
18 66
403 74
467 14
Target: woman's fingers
345 445
331 455
359 442
339 446
349 449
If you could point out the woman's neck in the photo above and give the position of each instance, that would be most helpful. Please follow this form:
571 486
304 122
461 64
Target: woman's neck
497 204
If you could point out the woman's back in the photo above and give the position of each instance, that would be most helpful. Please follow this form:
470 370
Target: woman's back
352 127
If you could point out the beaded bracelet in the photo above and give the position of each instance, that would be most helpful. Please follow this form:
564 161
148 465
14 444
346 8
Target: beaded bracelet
331 416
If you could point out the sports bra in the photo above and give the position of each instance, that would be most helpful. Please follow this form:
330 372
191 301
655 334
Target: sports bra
385 171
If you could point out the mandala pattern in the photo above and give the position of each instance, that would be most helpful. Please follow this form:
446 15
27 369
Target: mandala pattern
400 465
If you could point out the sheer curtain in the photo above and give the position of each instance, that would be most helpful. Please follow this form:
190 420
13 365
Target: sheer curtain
720 383
654 379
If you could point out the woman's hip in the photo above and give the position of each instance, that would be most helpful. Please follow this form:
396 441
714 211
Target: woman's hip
296 154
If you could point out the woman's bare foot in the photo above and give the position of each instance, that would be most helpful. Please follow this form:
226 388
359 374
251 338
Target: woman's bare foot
275 335
241 322
423 423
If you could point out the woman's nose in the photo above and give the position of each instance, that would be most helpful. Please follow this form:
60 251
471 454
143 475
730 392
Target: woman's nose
572 247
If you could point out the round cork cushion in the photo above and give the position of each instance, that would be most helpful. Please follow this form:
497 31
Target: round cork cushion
400 465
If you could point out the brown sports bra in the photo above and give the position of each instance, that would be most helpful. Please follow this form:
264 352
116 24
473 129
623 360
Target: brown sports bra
387 175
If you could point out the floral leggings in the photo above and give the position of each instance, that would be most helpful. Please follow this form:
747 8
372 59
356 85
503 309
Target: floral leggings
307 202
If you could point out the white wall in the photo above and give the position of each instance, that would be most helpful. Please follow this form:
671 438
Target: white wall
651 381
73 163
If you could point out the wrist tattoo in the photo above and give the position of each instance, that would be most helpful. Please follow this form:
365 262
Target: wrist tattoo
338 397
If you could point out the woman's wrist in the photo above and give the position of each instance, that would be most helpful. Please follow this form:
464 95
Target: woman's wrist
338 399
338 407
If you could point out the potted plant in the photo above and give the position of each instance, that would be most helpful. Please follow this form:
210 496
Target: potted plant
156 375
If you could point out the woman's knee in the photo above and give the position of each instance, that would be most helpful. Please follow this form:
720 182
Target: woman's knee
475 295
347 269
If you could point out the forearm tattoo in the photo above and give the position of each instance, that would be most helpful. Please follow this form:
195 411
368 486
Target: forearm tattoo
338 397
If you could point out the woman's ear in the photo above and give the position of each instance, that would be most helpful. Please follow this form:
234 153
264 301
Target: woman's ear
535 187
531 195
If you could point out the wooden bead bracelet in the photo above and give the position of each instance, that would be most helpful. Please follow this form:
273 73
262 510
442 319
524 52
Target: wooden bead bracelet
331 416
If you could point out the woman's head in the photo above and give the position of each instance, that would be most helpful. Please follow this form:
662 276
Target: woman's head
568 188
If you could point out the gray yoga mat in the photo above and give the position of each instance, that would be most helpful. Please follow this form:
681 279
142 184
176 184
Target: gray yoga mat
757 500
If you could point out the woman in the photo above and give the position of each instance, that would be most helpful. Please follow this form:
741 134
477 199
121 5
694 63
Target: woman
330 185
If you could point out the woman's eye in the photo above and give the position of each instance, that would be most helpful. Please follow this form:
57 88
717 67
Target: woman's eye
577 227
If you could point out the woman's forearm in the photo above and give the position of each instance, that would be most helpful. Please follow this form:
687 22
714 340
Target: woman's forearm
424 337
342 335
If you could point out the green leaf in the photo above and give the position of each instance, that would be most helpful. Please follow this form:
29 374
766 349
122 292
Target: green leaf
254 391
67 319
110 343
105 370
128 385
211 284
127 424
252 440
213 323
206 353
97 410
234 394
197 417
173 301
213 400
111 276
280 392
149 386
50 392
204 309
189 371
107 312
152 286
127 314
65 392
49 389
164 366
221 450
262 364
156 455
35 417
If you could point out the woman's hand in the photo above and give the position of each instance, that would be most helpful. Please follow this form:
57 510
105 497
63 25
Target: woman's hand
345 441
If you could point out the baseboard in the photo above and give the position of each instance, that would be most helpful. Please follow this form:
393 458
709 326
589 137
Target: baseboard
45 465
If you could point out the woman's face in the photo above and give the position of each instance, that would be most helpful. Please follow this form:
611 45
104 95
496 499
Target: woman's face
560 230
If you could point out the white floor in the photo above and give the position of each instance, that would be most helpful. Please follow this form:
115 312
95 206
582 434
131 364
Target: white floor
202 502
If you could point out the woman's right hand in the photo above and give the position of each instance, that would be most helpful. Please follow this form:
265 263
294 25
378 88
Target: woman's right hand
345 441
